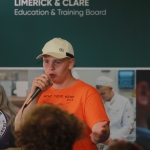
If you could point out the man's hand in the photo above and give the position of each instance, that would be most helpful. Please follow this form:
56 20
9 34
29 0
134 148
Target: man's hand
100 132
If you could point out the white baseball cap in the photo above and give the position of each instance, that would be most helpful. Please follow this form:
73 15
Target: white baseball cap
104 81
58 48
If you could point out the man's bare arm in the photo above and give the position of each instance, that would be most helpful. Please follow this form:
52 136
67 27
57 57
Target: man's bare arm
41 82
100 132
23 112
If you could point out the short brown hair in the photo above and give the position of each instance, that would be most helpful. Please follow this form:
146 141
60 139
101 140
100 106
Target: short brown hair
50 128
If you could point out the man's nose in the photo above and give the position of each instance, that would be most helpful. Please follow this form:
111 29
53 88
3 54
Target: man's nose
51 66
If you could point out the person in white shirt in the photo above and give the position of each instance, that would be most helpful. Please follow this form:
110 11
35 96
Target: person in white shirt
118 109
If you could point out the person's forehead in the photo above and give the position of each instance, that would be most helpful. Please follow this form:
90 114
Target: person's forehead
47 56
51 57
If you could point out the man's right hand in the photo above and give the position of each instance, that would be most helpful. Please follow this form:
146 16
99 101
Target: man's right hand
43 82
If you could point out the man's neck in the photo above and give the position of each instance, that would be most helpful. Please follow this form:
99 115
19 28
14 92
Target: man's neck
67 83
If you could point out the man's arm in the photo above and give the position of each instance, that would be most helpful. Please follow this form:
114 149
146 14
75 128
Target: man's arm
100 132
23 112
42 82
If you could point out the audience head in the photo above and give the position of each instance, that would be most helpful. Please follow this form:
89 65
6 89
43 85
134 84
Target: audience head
50 128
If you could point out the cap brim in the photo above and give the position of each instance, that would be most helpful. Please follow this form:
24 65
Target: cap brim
56 55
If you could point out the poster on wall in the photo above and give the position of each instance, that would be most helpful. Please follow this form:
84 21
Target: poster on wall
124 84
130 83
143 107
112 33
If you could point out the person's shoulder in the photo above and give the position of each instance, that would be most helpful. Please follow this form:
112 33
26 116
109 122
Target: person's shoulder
86 85
6 135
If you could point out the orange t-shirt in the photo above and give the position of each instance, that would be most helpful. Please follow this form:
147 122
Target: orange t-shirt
84 101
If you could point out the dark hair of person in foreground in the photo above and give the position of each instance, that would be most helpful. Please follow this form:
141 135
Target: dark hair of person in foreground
48 127
124 145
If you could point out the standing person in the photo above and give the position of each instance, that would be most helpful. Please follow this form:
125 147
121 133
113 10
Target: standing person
7 117
118 108
71 94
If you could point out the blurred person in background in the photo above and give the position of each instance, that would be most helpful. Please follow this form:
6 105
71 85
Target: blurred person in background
143 108
118 109
7 117
48 127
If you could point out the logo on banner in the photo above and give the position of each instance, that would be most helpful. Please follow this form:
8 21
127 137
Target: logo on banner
3 124
56 8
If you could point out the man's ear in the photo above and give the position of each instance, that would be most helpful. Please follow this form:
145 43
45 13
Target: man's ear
71 63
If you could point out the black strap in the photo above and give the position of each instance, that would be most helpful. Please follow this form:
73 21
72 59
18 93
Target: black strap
69 55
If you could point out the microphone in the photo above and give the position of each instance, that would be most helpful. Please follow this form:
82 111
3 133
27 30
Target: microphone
37 91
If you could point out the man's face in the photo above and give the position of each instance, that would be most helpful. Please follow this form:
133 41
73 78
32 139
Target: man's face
105 93
57 69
